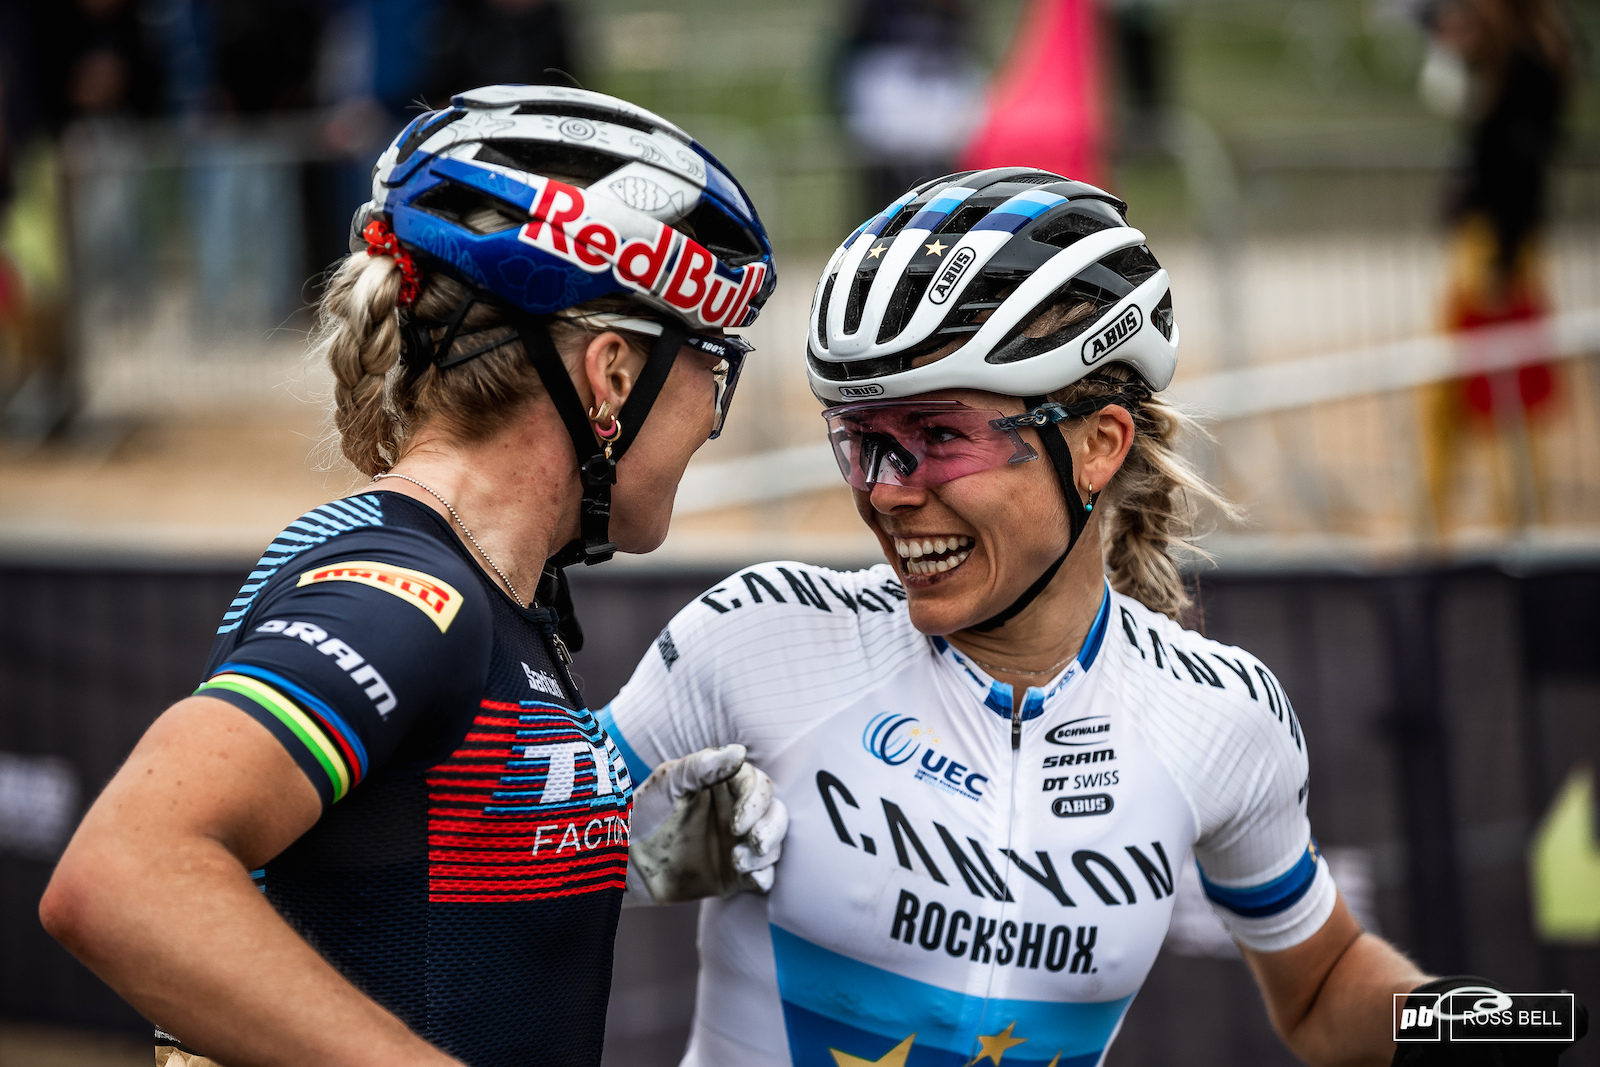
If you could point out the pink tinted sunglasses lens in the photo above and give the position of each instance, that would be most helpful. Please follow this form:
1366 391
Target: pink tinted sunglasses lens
918 445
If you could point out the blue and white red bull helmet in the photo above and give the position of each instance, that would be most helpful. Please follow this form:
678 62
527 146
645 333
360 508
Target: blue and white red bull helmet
542 198
976 256
600 197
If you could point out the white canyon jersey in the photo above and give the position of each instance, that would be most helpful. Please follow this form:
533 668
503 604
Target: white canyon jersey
966 879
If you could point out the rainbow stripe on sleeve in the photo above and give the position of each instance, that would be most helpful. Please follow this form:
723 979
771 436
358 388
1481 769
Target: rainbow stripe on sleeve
328 738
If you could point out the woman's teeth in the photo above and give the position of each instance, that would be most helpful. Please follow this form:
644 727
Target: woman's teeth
918 553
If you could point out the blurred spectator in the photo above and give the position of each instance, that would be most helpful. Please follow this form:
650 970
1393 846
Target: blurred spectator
909 88
370 70
1520 60
243 157
1143 31
489 42
1045 107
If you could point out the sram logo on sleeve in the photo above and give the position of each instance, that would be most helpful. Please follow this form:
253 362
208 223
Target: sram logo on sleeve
438 600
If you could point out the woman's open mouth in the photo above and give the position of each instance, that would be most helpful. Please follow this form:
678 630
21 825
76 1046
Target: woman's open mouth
932 555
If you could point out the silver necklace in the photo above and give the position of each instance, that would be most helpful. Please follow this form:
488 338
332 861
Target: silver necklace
486 557
1049 671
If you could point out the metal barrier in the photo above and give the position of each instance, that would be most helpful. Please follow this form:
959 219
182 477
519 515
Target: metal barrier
1443 708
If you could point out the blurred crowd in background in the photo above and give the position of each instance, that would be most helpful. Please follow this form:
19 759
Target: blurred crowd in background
175 176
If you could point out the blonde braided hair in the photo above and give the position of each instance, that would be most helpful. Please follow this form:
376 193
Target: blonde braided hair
379 404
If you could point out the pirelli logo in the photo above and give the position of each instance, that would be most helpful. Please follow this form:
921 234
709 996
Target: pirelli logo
437 600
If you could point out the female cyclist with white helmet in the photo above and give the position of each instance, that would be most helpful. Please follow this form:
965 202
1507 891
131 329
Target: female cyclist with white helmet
996 761
528 342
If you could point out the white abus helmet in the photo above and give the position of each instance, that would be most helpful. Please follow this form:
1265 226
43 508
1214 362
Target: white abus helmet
1009 242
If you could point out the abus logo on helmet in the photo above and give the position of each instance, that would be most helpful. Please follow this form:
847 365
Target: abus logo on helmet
694 284
1089 730
945 284
1111 337
860 392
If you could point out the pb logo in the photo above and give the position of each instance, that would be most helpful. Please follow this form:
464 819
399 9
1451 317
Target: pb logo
1416 1017
1113 336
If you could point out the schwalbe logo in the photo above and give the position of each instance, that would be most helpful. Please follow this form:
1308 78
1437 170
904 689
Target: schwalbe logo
945 283
1081 733
1113 335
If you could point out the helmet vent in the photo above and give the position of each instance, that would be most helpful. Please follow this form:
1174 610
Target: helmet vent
858 299
822 309
469 208
424 131
1162 315
901 217
721 235
905 298
575 166
964 218
592 113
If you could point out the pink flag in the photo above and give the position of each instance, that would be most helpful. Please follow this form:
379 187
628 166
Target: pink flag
1044 108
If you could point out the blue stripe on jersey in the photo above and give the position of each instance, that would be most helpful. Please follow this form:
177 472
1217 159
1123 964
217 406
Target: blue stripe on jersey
316 527
831 1001
1097 632
998 698
1258 901
1020 210
936 212
638 769
316 705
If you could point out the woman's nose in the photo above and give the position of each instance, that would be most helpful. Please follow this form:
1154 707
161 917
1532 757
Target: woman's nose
886 497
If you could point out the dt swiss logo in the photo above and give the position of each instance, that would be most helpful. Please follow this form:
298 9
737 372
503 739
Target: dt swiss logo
945 284
1089 730
1112 336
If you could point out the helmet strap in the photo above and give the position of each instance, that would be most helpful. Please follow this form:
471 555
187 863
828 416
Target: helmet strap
596 470
1055 446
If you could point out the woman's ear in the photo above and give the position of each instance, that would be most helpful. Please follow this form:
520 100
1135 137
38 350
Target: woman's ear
610 368
1108 435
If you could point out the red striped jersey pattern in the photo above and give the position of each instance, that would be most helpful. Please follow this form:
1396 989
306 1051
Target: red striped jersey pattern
533 805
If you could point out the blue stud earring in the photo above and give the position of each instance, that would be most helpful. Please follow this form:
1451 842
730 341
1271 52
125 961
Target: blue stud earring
1090 505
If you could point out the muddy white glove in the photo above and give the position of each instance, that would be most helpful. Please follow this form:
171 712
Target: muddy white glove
704 825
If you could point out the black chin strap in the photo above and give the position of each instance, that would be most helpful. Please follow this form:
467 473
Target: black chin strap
1055 446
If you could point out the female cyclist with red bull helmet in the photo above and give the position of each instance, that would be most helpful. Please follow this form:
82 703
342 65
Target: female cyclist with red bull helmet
999 749
528 342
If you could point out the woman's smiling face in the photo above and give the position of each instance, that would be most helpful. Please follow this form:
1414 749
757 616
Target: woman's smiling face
966 548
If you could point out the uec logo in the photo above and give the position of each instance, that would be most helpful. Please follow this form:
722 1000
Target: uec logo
883 737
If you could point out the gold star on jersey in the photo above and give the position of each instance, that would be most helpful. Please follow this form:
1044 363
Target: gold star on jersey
895 1057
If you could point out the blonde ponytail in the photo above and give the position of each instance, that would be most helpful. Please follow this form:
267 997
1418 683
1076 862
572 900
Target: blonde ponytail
1152 503
359 336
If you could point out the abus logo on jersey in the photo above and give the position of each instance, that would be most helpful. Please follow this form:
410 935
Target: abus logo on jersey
953 270
896 739
1111 337
696 282
1089 730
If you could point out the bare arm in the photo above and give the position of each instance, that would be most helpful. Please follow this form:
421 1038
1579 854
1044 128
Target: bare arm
1329 997
154 895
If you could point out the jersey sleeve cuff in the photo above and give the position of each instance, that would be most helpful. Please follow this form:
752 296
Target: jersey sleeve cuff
1278 914
318 747
638 769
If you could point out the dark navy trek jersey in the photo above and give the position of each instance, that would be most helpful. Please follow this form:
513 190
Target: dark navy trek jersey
470 860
